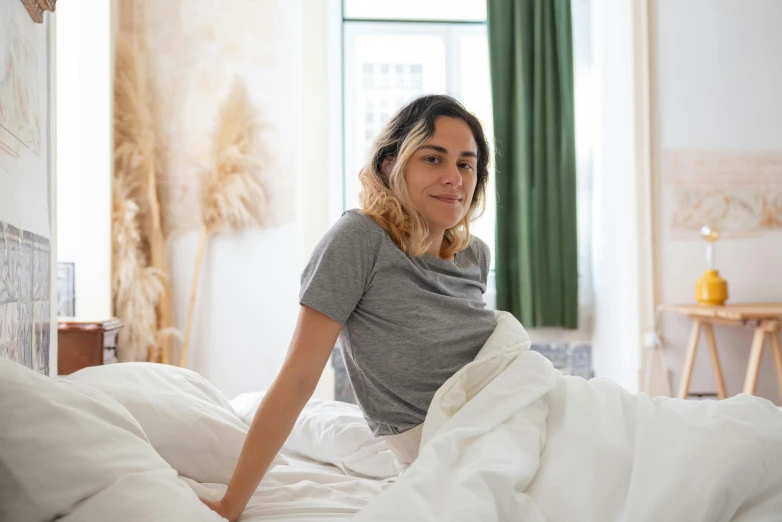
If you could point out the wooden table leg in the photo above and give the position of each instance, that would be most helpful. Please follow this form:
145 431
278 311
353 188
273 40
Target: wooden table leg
689 362
777 351
755 356
715 361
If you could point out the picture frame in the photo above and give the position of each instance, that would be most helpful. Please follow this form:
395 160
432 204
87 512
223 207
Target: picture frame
36 8
66 289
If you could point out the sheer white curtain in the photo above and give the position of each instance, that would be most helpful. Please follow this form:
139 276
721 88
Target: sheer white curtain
584 101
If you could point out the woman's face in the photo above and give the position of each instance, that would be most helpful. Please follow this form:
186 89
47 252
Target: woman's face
441 175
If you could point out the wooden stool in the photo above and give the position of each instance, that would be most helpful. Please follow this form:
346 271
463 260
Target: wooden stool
770 329
765 319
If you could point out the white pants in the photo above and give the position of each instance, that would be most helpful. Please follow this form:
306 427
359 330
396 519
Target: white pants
405 446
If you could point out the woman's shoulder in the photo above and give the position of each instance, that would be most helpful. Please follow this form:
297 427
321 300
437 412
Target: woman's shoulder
357 221
356 227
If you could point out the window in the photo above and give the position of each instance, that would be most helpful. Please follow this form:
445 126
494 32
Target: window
416 10
394 51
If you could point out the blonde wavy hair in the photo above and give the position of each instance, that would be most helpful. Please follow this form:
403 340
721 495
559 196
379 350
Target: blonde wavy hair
385 197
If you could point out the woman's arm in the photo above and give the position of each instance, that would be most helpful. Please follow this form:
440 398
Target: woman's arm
312 343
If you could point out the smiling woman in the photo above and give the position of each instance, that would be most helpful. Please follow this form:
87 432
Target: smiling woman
400 283
427 178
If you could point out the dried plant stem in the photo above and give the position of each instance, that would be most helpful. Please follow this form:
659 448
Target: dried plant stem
159 260
233 195
193 296
141 287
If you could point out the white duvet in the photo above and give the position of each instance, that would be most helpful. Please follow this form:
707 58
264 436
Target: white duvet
510 438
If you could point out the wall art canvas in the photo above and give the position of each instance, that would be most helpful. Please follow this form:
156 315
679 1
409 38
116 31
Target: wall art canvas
738 192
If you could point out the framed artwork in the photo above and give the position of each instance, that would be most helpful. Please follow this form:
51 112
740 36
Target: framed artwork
25 316
36 8
66 288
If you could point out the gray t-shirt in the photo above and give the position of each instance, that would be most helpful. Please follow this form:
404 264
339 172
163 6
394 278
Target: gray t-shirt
409 323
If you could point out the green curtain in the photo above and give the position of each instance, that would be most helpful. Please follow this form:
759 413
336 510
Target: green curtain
531 56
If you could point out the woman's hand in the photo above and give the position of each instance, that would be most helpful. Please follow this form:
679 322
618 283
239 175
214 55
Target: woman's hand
222 508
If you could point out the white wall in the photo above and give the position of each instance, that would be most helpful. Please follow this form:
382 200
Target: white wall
718 72
247 305
320 182
248 302
84 150
27 185
615 241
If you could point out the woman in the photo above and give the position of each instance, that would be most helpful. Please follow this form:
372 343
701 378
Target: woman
399 282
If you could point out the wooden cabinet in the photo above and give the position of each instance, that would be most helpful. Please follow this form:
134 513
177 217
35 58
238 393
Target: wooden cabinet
83 343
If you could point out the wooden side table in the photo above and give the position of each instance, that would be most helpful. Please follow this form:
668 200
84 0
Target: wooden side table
81 343
764 319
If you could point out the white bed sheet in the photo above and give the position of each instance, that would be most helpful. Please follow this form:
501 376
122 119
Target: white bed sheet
303 491
331 432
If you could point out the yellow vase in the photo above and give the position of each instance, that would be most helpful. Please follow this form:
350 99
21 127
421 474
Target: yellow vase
711 289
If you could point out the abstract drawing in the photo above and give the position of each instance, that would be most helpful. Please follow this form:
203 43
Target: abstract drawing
20 115
740 193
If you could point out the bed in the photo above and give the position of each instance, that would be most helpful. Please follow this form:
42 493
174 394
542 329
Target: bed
333 465
142 441
506 438
303 490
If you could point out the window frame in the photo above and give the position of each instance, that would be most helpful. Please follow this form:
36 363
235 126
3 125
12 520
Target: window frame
346 17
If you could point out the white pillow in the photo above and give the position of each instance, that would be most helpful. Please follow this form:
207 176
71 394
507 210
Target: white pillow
332 432
188 421
69 451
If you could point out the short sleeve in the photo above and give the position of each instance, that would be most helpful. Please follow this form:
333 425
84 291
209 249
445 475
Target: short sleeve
487 262
483 254
337 274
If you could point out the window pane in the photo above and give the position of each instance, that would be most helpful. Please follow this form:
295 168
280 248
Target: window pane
406 60
403 63
450 10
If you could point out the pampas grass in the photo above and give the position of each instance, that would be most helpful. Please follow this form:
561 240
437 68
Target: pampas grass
139 283
233 196
136 287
